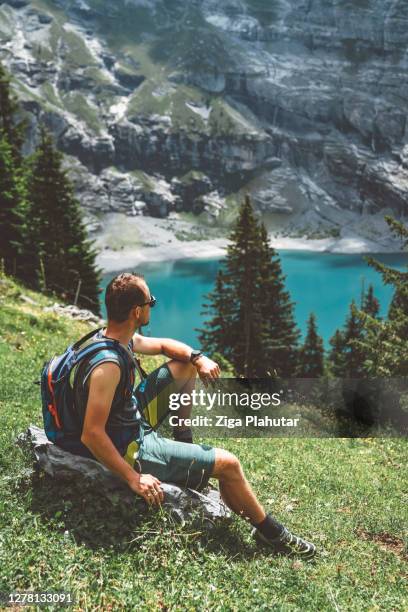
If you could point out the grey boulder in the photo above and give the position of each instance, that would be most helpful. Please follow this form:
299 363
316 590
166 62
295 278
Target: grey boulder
183 504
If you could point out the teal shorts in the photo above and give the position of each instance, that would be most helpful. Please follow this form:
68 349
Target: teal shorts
187 465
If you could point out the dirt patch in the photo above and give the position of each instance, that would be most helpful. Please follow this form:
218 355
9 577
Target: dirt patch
386 541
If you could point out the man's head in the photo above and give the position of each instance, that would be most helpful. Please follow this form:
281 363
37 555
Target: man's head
126 299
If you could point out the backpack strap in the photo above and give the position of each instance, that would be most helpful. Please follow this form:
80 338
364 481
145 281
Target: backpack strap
107 344
78 343
99 345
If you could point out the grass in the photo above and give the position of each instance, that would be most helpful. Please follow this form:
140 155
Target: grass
76 103
349 496
50 94
159 97
6 27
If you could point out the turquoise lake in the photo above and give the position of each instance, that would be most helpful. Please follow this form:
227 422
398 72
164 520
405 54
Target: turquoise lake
324 283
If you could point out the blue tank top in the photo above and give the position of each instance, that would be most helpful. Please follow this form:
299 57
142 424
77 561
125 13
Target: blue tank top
124 417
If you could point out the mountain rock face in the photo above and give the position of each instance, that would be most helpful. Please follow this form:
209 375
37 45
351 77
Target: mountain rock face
168 105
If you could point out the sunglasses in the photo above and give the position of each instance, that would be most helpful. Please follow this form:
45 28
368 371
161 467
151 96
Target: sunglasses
151 302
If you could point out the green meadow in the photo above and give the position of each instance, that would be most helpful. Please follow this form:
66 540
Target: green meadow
349 496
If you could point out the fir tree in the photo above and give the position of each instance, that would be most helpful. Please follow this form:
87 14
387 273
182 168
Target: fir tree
217 326
385 342
347 356
280 334
252 323
61 256
370 303
337 354
354 356
12 194
10 128
12 205
312 352
243 289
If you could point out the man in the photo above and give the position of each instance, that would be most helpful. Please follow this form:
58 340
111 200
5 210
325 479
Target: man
115 433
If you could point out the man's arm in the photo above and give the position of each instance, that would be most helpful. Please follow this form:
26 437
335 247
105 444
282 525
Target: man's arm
161 346
103 382
207 369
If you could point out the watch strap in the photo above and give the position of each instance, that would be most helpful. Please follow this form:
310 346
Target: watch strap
195 355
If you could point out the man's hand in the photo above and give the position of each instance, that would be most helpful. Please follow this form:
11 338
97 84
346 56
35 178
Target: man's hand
207 369
148 487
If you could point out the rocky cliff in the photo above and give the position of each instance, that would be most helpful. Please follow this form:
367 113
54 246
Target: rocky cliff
169 105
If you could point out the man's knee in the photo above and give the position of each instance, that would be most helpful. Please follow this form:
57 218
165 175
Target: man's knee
226 466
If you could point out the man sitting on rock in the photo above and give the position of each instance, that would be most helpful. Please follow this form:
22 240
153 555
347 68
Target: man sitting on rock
119 428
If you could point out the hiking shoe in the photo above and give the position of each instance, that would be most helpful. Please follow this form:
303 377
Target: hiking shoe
287 544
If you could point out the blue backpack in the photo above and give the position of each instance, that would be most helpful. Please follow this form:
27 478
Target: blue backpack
57 393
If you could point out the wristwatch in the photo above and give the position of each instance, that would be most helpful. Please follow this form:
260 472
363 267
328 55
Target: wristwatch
195 354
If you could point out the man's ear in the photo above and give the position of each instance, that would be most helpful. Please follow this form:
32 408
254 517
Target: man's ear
136 312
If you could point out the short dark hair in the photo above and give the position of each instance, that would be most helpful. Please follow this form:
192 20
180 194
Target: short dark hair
123 293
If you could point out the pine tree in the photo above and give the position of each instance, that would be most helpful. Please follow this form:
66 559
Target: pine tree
10 128
385 342
12 205
312 352
61 255
370 303
243 288
252 323
353 333
337 354
347 357
12 194
217 326
280 335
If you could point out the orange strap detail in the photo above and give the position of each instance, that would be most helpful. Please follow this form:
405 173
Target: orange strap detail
52 407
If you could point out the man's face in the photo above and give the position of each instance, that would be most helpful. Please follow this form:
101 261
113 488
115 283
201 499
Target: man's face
144 311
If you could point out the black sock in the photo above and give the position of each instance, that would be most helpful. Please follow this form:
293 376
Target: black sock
183 435
270 527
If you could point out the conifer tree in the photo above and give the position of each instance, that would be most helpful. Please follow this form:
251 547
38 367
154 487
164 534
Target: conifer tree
280 334
346 357
385 342
10 127
252 326
11 210
62 259
312 352
12 196
370 304
217 327
243 288
337 354
354 356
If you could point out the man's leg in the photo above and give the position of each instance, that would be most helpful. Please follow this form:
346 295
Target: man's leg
235 489
153 394
184 375
237 494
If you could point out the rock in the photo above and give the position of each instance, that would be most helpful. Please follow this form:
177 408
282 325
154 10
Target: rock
18 3
190 186
74 312
211 204
127 79
138 208
159 198
337 119
28 300
181 503
95 153
44 18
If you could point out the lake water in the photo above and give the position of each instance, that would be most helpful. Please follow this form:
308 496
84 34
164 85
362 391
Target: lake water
324 283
